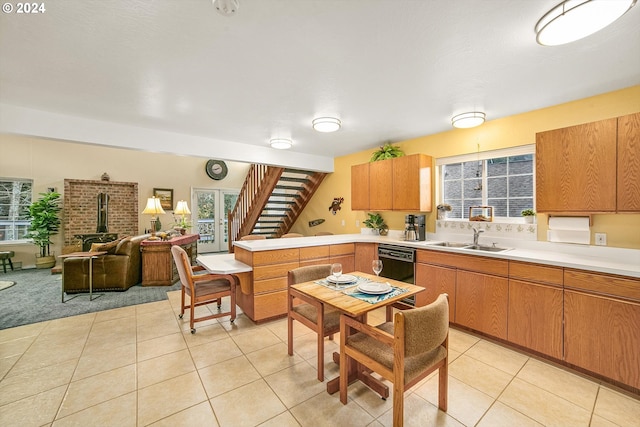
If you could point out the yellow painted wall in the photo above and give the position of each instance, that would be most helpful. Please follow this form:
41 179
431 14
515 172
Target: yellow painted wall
623 230
50 162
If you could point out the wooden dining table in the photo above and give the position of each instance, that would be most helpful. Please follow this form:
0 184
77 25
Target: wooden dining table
356 308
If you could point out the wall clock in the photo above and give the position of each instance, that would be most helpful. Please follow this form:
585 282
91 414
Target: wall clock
216 169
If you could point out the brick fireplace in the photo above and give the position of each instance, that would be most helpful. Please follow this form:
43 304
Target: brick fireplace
81 208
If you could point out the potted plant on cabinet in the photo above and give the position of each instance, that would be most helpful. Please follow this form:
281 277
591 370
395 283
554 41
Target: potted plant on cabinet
44 224
376 223
387 151
528 215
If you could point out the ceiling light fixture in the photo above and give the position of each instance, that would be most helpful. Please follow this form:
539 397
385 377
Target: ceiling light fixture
226 7
326 124
572 20
281 143
468 120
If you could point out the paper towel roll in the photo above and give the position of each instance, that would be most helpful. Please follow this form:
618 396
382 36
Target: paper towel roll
577 223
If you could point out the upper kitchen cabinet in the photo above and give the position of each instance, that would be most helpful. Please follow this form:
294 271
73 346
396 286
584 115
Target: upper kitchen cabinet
629 163
402 184
412 183
576 168
381 185
590 168
360 187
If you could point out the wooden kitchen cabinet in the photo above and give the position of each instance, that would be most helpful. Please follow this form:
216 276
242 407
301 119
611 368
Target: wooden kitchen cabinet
628 191
344 254
412 183
267 295
360 187
481 302
576 168
535 307
381 185
602 325
477 288
402 183
364 254
436 280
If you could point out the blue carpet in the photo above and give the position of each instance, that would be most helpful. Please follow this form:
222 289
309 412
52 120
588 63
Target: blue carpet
36 297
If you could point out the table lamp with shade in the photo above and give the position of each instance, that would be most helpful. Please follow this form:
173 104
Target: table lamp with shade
153 208
182 209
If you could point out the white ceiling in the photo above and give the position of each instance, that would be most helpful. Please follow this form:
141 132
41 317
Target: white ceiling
176 76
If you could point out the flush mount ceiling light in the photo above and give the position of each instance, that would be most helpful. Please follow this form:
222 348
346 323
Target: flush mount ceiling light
281 143
572 20
226 7
326 124
468 120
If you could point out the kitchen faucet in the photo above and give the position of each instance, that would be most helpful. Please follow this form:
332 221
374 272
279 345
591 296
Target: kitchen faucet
476 234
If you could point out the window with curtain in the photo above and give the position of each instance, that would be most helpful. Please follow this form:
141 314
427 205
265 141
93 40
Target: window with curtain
15 199
503 179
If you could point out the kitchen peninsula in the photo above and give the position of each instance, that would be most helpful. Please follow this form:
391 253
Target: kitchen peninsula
579 306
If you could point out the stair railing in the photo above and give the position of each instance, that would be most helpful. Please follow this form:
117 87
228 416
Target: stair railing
255 191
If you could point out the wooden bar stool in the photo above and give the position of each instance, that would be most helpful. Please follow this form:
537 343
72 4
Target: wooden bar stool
6 256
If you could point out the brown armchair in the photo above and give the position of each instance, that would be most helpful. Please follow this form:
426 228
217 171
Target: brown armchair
203 289
324 321
117 271
403 352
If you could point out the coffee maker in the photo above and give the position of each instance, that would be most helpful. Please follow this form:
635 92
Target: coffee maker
414 228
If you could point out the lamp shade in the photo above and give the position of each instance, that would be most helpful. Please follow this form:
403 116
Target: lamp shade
153 207
182 208
572 20
468 120
326 124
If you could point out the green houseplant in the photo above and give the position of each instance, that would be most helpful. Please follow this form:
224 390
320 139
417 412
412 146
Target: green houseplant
375 222
528 215
387 151
44 224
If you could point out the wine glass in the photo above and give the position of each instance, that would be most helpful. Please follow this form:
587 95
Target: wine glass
336 270
376 265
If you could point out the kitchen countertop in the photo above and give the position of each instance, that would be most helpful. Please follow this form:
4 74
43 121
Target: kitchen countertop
624 262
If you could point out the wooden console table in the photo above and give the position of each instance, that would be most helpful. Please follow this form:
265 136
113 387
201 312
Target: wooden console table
158 268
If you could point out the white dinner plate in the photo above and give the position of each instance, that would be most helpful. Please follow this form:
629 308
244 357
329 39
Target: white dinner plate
375 288
345 278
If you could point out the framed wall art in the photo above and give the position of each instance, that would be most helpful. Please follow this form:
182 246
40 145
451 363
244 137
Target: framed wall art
166 197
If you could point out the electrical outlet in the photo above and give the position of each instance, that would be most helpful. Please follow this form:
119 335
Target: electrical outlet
357 223
343 222
601 239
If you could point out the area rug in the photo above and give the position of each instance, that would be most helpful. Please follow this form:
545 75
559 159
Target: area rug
36 295
4 284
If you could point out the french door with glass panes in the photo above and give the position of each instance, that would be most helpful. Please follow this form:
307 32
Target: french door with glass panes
209 217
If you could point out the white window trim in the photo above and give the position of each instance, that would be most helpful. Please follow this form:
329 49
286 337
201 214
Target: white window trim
483 155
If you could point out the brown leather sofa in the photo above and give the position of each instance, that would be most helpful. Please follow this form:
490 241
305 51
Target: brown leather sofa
116 271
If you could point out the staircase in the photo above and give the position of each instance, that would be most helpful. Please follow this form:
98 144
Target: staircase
270 201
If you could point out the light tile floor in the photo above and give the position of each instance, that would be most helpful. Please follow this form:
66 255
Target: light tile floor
140 365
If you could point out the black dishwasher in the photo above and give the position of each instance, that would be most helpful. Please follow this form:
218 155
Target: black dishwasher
398 264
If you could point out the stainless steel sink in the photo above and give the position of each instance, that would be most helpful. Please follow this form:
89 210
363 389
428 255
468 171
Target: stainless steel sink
450 244
486 248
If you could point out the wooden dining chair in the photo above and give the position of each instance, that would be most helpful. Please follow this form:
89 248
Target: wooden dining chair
290 235
324 321
203 289
254 237
403 351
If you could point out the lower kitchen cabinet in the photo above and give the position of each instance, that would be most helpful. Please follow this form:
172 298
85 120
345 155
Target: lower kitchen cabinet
436 280
365 253
535 307
535 317
602 325
481 302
